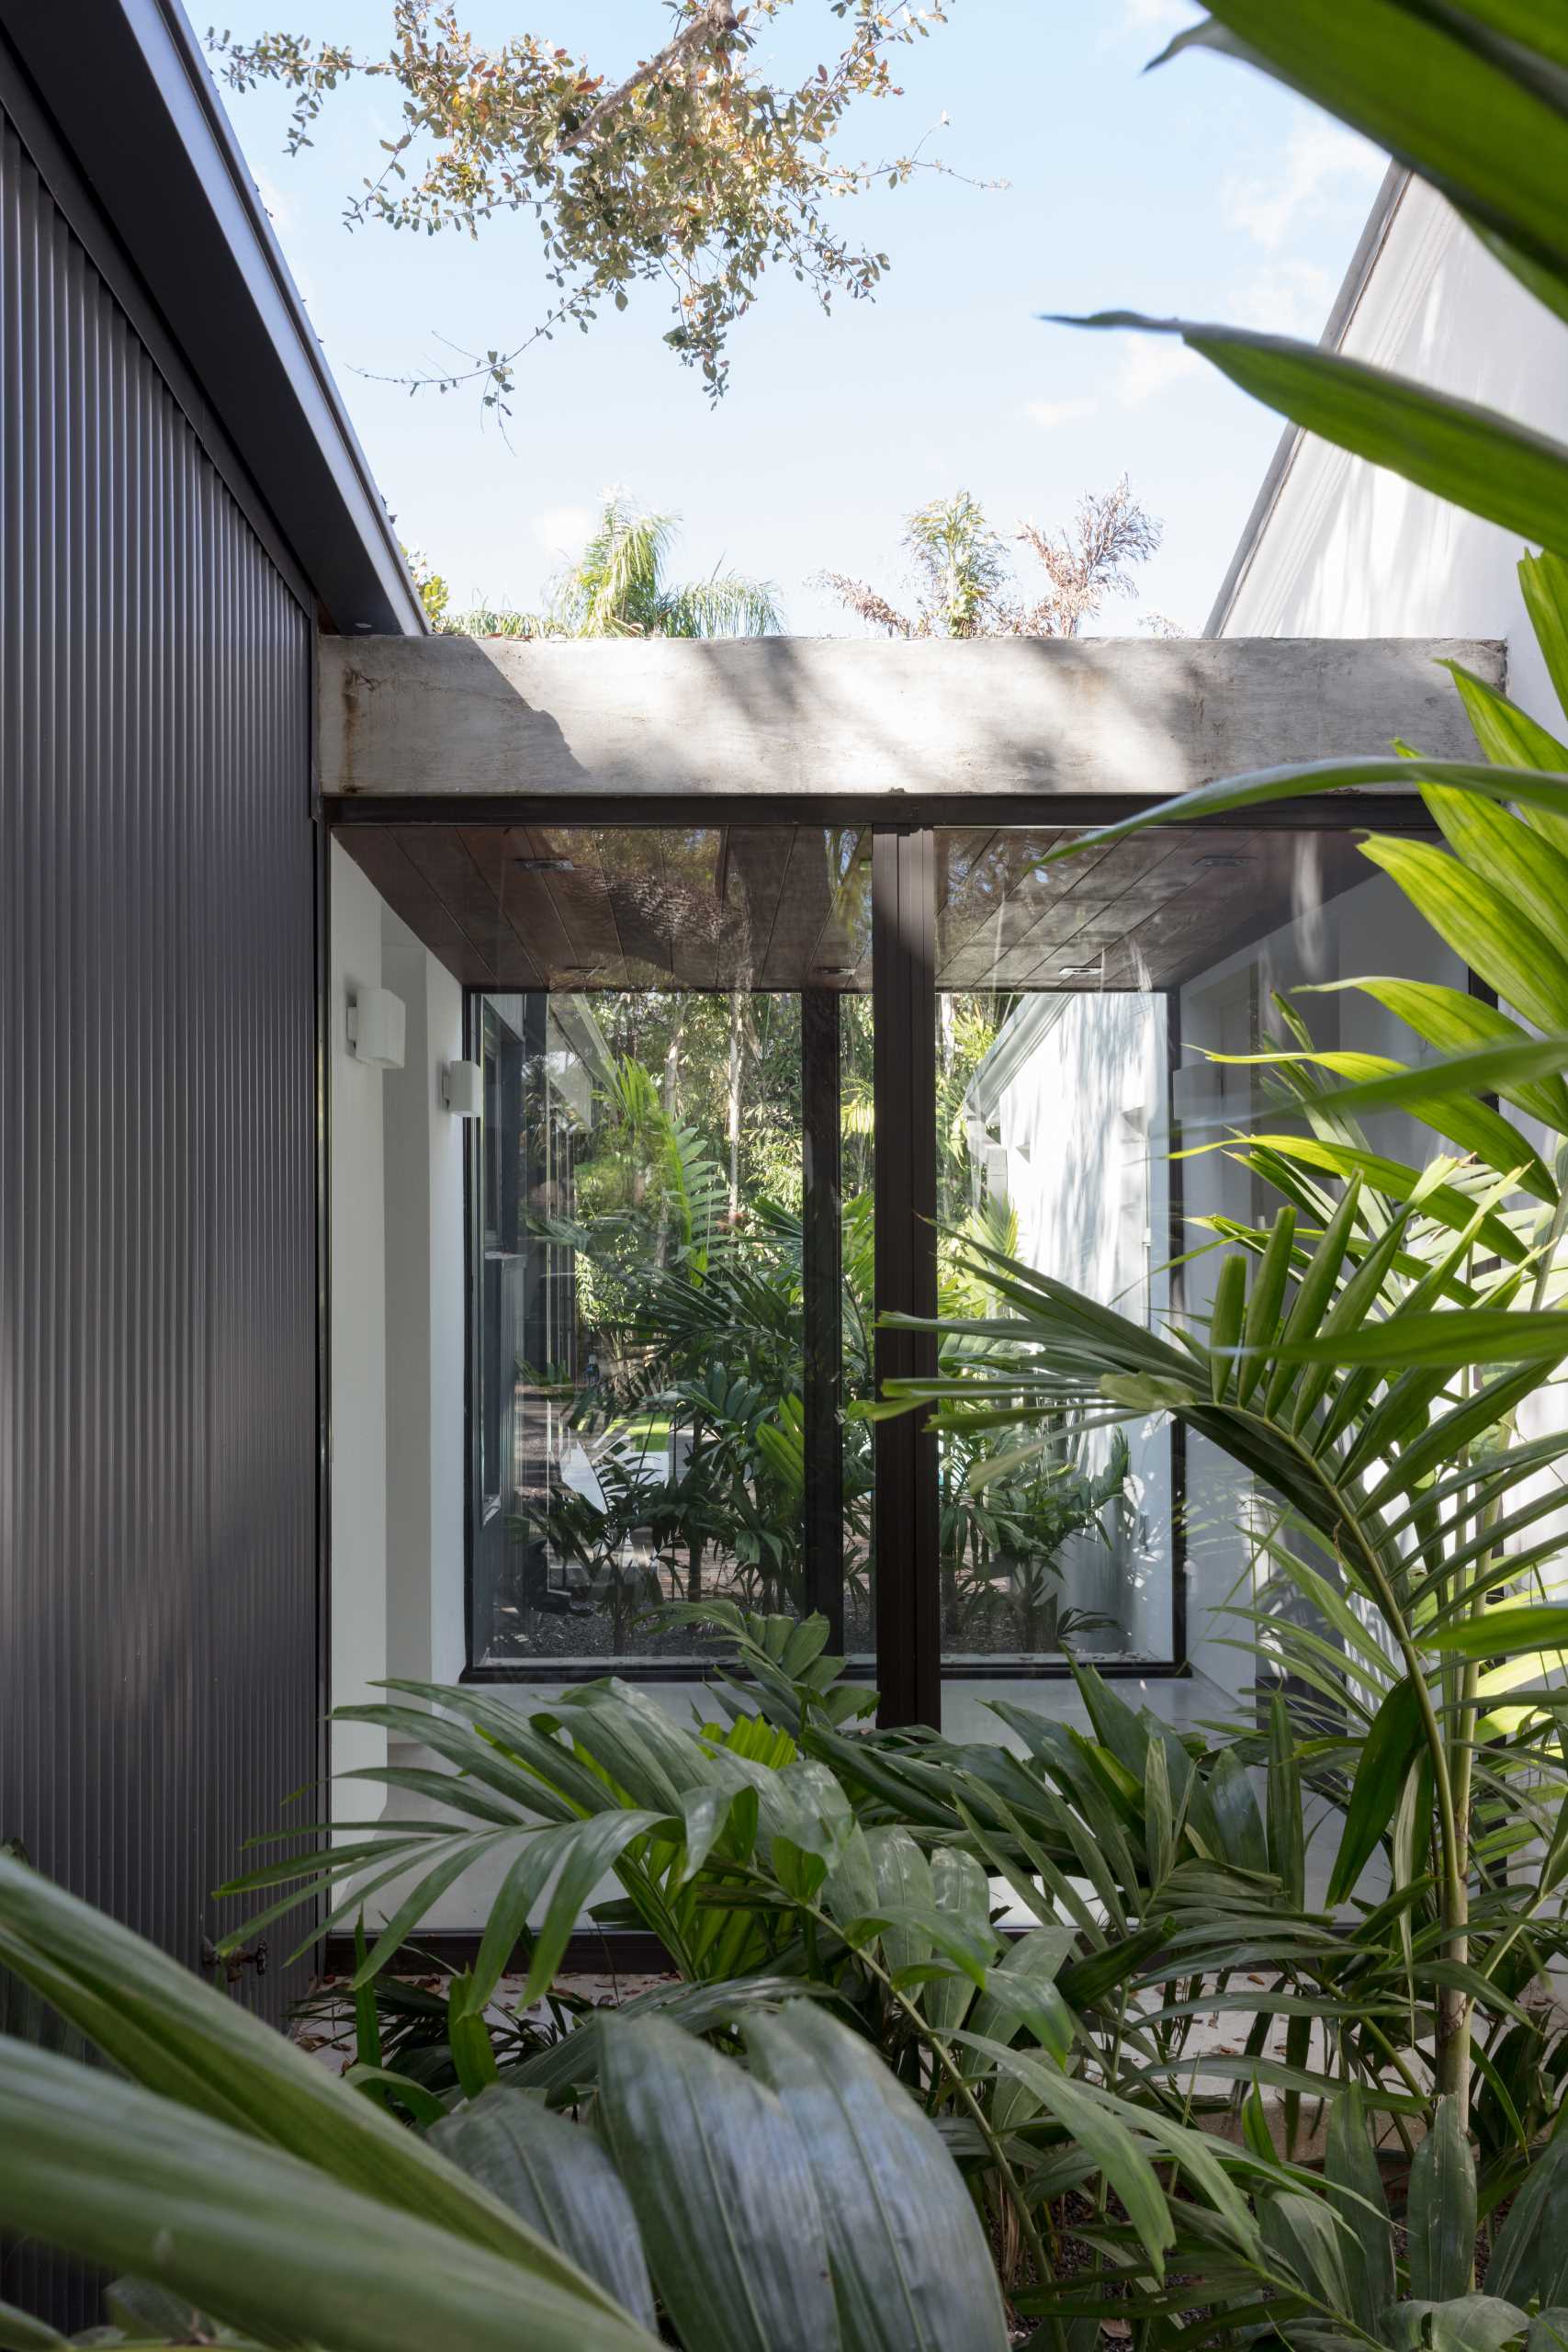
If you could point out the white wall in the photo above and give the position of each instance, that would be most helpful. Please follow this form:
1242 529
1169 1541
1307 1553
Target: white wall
397 1274
423 1279
1348 550
1081 1124
357 1601
1351 551
1372 930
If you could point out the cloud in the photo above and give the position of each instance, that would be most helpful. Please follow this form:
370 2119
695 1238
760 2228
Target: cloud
1048 415
1149 17
1320 166
560 530
1284 297
1151 364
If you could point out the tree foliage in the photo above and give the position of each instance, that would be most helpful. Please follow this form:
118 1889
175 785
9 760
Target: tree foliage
695 170
965 584
619 587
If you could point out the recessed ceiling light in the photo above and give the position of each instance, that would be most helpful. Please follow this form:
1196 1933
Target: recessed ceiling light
834 971
544 864
1070 971
1222 857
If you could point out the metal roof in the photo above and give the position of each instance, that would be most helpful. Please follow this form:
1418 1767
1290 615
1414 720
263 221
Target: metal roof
131 98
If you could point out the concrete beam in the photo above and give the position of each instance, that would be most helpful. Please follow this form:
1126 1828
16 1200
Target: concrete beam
783 717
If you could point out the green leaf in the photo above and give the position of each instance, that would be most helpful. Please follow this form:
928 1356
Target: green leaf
1089 2119
20 2332
1356 2194
1504 1632
1235 1810
187 2040
959 1887
1314 1293
1508 736
585 1852
1390 1749
555 2178
1476 457
1303 2237
1468 2324
1484 124
1529 2253
1224 1323
1451 1340
912 2270
1428 1091
1263 1307
903 1879
1482 925
1502 850
1287 1839
722 2186
274 2244
1543 582
1442 2208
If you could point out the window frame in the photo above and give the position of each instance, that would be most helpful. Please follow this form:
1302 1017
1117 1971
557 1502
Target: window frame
910 1668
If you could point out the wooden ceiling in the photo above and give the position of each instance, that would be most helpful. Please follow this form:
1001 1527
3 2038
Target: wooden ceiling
785 906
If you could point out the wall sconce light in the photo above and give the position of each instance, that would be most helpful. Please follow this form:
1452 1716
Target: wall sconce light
462 1088
376 1021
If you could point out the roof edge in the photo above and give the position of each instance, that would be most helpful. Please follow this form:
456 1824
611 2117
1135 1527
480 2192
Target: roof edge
1363 261
149 135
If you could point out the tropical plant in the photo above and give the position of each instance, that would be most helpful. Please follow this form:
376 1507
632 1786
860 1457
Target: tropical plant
618 587
1006 1515
231 2175
964 584
788 1850
1370 1355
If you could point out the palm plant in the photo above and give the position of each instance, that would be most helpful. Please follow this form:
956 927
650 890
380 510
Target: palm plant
618 587
233 2175
964 583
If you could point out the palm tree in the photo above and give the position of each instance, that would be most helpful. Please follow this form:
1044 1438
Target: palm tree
964 584
618 587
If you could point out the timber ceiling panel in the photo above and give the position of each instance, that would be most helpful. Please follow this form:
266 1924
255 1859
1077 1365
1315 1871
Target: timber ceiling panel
782 906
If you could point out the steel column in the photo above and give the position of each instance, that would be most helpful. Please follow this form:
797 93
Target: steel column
821 1272
908 1616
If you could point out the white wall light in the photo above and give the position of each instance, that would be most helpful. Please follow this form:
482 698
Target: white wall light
376 1021
462 1088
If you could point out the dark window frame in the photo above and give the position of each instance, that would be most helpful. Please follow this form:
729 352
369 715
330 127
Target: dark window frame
911 1670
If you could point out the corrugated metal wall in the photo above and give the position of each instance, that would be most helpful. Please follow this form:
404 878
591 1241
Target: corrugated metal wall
158 1401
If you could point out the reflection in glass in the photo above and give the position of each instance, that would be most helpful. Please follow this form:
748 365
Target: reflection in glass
639 1426
1103 1122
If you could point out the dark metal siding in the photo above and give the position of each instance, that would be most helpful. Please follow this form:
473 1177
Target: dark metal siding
158 1396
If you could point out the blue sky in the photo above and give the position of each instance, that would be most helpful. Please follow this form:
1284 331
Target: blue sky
1203 190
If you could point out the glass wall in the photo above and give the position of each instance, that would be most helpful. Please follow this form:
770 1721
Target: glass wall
672 1228
669 1245
1107 1112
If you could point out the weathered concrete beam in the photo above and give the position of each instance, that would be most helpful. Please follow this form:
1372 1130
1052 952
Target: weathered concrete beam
782 716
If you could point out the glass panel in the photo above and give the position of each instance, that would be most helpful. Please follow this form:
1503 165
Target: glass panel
1092 1125
640 1249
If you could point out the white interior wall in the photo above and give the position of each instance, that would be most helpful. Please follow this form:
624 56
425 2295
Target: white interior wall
396 1189
424 1285
358 1326
1081 1124
1351 551
1372 931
